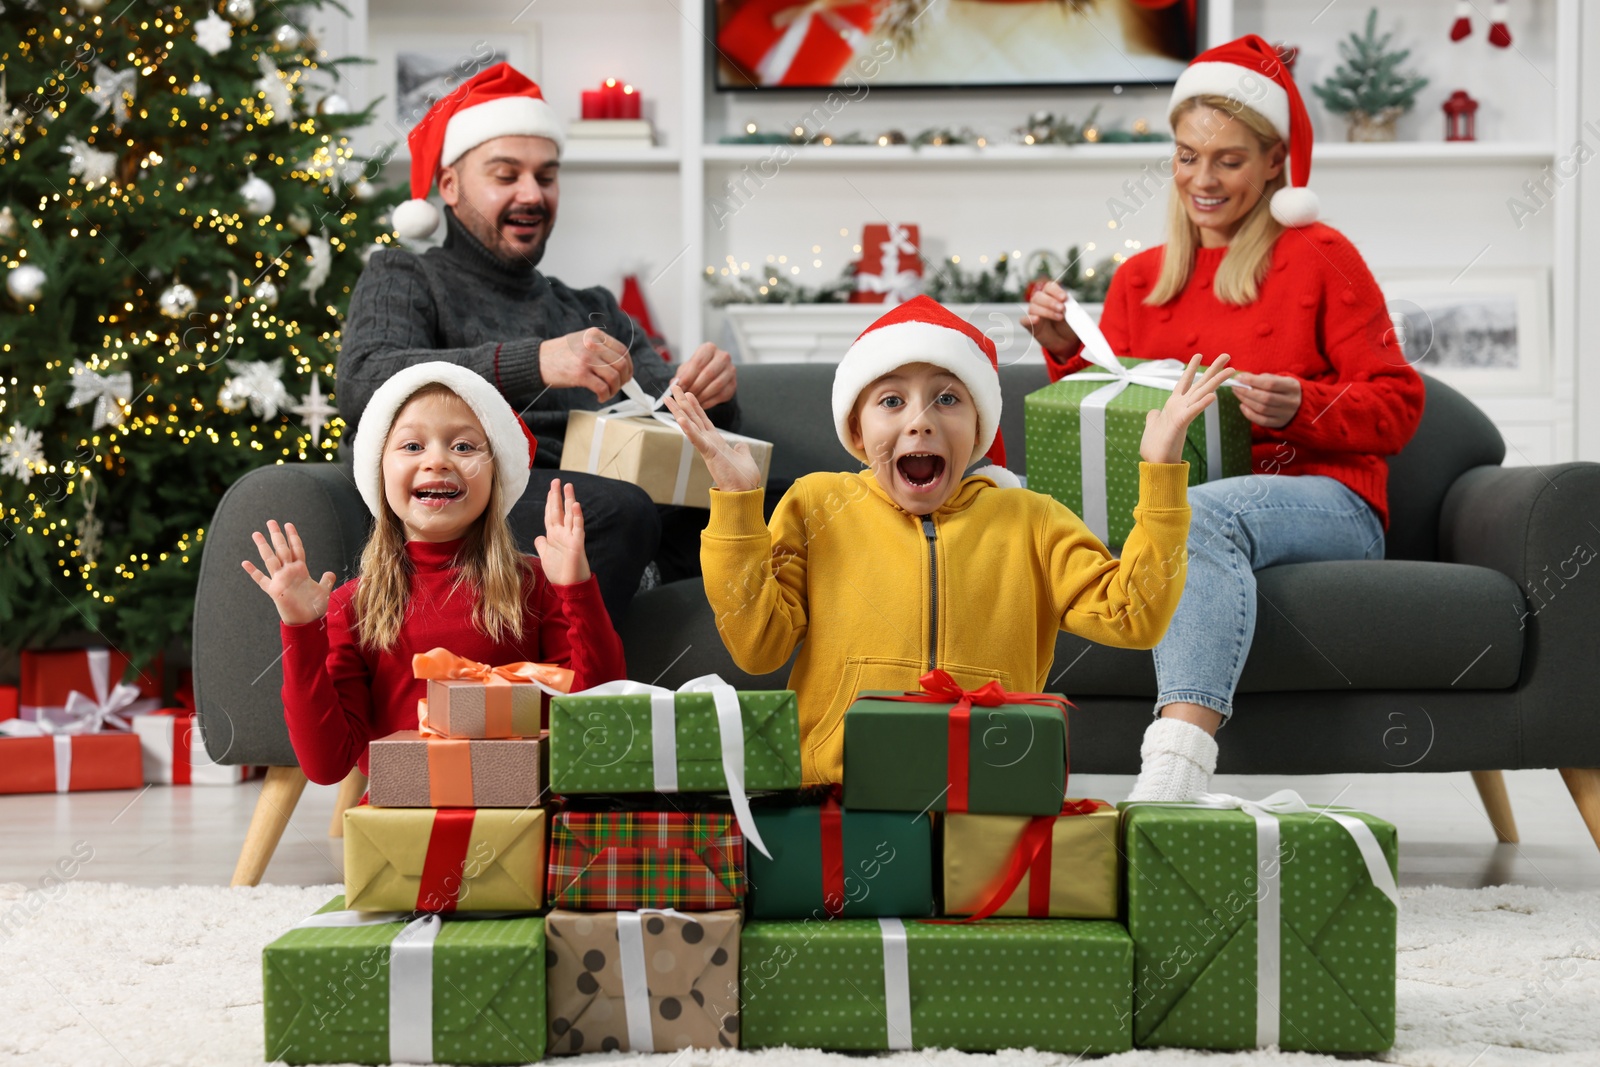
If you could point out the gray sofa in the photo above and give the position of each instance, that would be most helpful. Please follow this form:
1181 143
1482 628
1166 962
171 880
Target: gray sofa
1472 647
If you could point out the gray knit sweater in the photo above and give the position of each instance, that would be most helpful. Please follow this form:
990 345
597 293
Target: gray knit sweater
460 303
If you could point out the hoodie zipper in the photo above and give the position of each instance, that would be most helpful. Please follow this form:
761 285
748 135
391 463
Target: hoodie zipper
932 535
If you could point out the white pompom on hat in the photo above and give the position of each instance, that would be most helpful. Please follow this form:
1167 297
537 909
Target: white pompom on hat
1250 72
922 330
510 441
498 102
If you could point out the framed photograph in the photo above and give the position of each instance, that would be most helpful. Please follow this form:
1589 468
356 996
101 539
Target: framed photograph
1487 331
811 44
418 61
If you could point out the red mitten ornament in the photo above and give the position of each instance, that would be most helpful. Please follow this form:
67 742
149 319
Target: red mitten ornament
1462 27
1499 33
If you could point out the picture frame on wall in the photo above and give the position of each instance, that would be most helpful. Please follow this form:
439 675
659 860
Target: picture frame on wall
418 61
821 44
1485 332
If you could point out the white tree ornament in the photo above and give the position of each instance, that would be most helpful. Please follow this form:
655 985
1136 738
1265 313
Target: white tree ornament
89 163
321 263
272 85
315 410
108 392
257 383
112 90
21 451
213 34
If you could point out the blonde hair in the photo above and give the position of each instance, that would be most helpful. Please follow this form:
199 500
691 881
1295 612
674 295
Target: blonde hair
1249 256
489 566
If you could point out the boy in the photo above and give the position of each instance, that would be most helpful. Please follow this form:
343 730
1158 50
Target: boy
907 566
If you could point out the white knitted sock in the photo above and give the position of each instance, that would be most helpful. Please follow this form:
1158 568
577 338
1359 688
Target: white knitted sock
1177 759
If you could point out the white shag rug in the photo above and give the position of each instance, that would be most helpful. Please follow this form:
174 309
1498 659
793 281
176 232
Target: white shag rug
94 973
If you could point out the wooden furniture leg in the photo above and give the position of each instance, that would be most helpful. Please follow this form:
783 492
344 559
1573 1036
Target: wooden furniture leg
279 794
1584 785
350 790
1492 789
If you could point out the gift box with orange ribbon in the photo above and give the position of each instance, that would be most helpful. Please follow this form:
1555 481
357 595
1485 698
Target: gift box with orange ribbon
946 748
174 751
444 859
410 769
796 42
468 699
625 860
1065 866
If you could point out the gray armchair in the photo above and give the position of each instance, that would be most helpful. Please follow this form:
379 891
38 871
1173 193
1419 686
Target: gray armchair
1470 648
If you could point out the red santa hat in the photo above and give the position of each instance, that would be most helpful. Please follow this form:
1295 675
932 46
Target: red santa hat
1250 72
498 102
510 441
922 330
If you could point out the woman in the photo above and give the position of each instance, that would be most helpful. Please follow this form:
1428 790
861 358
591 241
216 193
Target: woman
1248 271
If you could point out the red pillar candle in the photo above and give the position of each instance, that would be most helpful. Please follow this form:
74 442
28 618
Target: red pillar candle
612 93
593 104
630 103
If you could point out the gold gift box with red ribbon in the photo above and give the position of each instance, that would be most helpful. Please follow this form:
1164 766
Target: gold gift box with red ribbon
408 769
468 699
444 859
1064 866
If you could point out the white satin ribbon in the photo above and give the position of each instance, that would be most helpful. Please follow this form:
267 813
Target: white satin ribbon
638 404
1158 374
63 754
775 65
895 284
896 983
1269 895
636 978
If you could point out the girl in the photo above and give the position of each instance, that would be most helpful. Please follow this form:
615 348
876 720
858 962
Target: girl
439 458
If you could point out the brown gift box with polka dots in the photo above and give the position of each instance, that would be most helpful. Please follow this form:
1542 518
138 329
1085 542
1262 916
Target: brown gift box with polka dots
691 971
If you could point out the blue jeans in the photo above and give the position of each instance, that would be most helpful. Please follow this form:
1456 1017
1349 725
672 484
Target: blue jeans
1239 526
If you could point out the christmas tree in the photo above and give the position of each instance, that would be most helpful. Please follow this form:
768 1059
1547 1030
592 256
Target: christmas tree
1370 83
181 223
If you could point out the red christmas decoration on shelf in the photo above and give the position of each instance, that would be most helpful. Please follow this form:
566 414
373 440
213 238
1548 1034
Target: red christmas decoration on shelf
613 100
1459 121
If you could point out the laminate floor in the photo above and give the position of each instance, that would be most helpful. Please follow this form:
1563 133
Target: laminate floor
191 835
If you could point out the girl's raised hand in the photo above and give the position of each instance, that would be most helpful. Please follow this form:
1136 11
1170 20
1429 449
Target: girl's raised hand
1164 430
288 581
733 469
561 548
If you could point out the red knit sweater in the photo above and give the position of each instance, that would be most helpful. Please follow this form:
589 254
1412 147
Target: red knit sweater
1320 318
337 695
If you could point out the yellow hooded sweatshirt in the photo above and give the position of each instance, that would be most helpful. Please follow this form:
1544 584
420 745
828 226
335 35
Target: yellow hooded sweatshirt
876 596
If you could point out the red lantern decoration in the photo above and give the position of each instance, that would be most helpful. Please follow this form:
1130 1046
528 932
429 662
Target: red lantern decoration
1459 121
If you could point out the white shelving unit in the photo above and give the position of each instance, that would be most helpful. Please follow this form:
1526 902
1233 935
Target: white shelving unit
664 212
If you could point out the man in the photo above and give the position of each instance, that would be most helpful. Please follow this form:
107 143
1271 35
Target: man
494 146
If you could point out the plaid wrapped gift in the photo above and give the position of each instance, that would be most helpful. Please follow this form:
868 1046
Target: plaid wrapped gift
623 861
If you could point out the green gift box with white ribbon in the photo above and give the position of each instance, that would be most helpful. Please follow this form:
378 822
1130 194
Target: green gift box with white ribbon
1261 923
1056 985
1083 433
392 987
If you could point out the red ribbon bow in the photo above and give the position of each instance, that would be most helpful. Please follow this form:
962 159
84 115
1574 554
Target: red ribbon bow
939 688
1031 856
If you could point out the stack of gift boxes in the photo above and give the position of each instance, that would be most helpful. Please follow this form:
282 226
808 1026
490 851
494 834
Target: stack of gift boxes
690 894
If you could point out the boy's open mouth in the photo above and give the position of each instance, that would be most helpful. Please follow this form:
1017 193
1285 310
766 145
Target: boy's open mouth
920 469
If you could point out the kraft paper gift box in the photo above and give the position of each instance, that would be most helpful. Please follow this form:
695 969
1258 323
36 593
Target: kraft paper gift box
796 42
936 751
50 677
468 699
642 981
61 763
623 860
827 861
1067 866
649 453
174 751
370 987
409 769
444 859
1272 925
1056 985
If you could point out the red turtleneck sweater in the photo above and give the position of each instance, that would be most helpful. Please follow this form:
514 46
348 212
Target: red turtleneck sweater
1320 318
337 695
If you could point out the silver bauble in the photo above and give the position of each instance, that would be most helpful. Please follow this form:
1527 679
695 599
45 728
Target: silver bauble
89 7
241 12
200 90
287 36
8 223
259 198
230 399
178 301
299 221
364 191
26 283
334 104
266 293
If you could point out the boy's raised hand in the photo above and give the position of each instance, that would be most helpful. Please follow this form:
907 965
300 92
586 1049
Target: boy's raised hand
288 581
1164 430
561 548
733 469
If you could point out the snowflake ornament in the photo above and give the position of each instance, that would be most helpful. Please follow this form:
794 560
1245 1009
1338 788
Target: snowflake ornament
315 410
22 450
213 34
89 163
257 383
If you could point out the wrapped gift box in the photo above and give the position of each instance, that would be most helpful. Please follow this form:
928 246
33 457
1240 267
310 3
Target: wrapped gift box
468 699
444 859
624 860
1067 866
642 981
890 270
50 677
827 861
1053 419
174 751
410 770
1200 878
61 763
9 703
879 984
795 42
606 744
910 757
328 991
654 455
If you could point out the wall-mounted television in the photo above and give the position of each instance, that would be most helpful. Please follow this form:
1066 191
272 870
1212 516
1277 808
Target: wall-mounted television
942 44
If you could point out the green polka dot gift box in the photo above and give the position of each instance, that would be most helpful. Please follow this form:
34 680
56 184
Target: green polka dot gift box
1056 985
1271 925
374 987
1102 486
